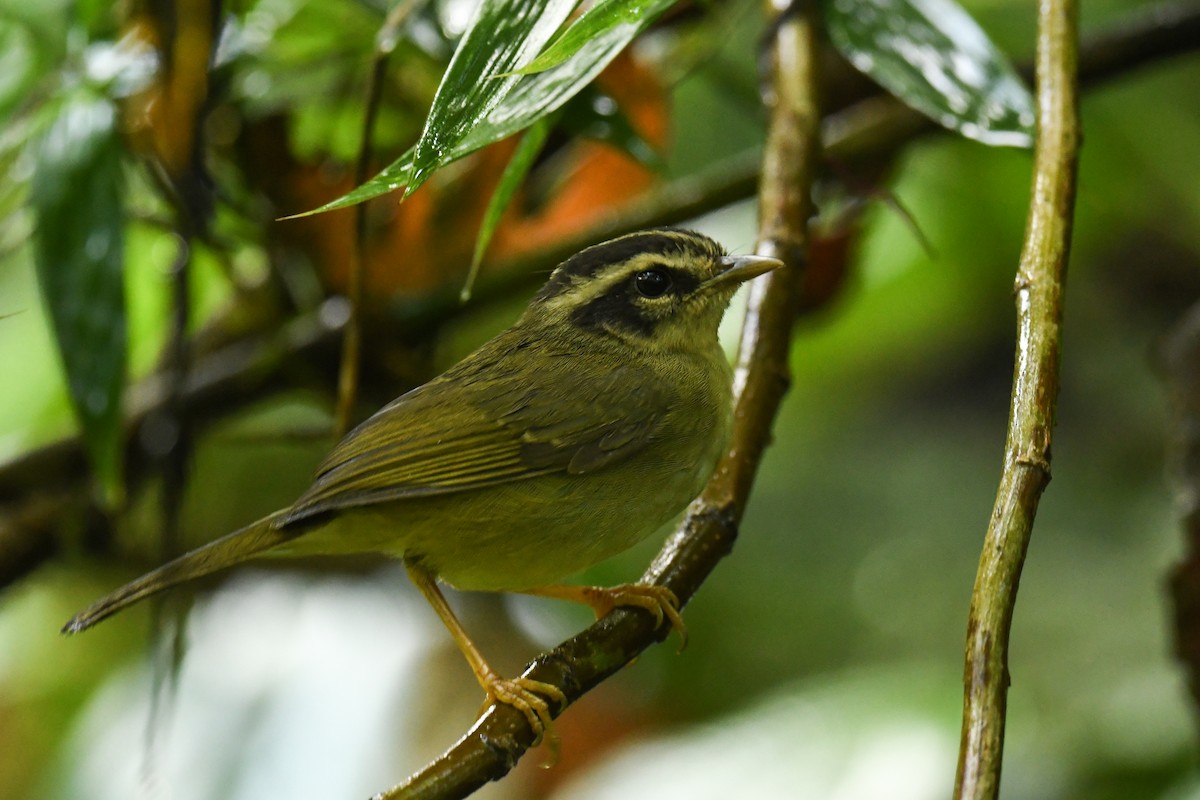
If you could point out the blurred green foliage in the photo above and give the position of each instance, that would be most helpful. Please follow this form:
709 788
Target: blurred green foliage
831 637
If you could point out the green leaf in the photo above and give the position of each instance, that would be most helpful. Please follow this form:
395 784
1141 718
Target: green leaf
392 177
934 57
518 102
515 172
78 200
503 34
603 16
535 96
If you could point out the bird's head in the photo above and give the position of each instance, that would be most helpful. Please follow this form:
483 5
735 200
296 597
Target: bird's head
663 288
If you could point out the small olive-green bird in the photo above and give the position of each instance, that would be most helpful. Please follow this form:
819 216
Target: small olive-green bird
571 436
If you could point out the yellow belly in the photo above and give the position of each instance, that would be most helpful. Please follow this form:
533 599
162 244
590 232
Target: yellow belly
523 534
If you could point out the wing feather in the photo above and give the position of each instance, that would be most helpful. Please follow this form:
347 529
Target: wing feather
492 428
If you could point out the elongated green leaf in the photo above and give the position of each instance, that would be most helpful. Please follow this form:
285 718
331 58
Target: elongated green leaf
933 56
391 178
503 34
526 99
515 172
604 16
537 95
77 197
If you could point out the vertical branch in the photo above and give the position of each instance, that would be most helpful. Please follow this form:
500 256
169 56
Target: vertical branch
174 438
784 208
175 441
761 373
1039 297
347 393
189 33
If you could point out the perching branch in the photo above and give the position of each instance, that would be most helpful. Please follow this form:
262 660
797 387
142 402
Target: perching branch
1039 296
492 747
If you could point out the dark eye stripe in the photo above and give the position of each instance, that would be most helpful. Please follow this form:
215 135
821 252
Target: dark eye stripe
625 306
615 309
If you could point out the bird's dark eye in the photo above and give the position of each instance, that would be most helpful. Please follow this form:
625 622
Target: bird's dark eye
652 282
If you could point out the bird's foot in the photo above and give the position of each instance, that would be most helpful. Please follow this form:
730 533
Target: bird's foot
529 697
658 600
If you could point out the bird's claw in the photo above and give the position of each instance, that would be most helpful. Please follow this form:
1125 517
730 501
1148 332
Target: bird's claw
529 697
658 600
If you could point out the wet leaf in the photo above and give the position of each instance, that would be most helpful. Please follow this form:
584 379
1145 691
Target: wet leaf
516 101
391 178
932 55
503 34
77 197
534 96
603 16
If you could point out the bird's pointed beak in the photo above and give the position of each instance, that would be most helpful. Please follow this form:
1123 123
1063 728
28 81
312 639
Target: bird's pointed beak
738 269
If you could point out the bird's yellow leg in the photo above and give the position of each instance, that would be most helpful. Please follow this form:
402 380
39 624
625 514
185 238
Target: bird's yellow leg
524 694
658 600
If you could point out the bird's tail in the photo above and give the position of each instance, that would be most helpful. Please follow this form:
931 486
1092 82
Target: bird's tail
224 552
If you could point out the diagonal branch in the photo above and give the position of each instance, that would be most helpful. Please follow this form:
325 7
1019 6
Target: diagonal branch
1039 296
493 746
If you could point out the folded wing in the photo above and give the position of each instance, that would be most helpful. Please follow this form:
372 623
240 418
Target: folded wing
488 431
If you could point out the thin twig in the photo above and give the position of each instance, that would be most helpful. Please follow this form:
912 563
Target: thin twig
347 396
492 747
1039 296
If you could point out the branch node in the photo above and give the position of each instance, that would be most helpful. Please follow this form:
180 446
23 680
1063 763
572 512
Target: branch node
1035 461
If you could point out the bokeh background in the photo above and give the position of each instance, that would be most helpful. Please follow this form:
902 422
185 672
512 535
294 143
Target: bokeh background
825 653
